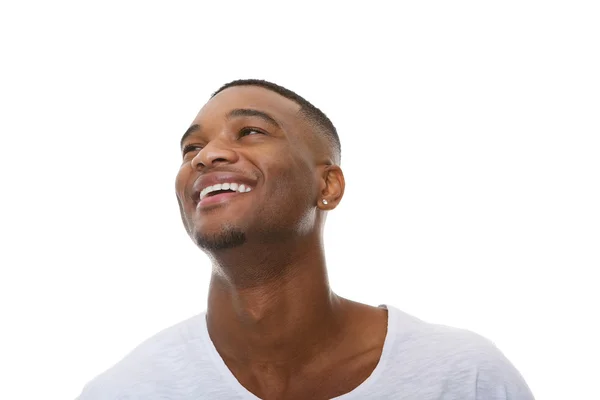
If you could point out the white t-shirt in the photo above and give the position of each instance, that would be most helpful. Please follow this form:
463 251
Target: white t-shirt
420 361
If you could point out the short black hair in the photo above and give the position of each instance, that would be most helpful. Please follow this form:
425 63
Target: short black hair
311 112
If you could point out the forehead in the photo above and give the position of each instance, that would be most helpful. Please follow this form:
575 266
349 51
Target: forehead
283 110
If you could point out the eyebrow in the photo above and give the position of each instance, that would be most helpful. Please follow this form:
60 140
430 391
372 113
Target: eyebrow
249 112
188 133
235 113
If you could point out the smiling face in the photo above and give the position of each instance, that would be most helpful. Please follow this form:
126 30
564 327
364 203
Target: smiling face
252 170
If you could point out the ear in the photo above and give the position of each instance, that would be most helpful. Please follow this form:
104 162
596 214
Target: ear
332 187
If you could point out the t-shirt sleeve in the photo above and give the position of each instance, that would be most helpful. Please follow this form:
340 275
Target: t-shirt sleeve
498 379
95 391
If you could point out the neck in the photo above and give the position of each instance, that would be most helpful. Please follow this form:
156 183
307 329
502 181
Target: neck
277 308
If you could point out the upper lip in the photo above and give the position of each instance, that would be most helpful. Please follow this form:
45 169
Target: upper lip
212 178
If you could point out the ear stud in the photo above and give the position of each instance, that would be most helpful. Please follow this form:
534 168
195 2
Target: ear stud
325 201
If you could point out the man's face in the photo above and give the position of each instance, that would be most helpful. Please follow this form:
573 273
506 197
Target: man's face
248 136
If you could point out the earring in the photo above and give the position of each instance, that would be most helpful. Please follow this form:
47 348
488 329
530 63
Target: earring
324 201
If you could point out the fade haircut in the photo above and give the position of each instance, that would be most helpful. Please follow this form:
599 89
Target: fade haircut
310 112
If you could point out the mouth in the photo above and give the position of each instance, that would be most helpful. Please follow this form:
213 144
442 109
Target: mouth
221 192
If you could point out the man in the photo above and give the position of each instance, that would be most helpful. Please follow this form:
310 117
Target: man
260 171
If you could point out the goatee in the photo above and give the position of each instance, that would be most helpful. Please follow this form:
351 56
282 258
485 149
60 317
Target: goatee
228 238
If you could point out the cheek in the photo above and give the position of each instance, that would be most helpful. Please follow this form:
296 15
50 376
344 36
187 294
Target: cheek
295 183
180 182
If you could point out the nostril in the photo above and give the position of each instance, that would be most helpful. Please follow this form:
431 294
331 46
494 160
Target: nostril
218 160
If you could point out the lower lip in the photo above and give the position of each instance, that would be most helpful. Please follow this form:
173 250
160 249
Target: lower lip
217 199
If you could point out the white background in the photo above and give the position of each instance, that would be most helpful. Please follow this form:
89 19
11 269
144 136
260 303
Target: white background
470 148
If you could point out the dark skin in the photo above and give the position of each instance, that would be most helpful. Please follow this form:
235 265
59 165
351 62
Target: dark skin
271 314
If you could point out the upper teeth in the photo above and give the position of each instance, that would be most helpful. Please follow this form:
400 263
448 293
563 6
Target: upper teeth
225 186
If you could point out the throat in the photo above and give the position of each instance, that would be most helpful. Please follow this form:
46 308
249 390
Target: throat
276 330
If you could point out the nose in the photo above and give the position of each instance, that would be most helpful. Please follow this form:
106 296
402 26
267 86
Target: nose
214 153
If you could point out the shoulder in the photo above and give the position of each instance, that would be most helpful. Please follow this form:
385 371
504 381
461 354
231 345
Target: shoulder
157 356
455 356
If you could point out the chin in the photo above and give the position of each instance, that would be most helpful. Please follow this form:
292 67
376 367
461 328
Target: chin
226 238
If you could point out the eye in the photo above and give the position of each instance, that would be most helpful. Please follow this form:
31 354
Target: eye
251 131
191 147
